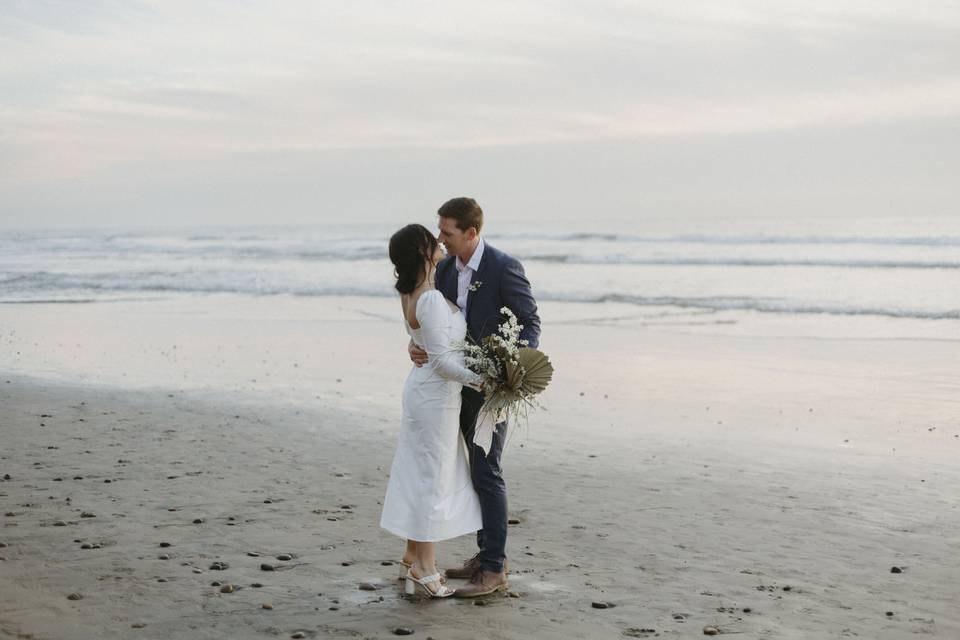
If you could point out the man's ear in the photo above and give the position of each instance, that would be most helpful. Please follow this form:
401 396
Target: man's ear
471 233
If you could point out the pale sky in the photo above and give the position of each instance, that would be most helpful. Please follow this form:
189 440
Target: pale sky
131 112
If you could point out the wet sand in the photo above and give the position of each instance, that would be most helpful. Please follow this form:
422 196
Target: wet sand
682 479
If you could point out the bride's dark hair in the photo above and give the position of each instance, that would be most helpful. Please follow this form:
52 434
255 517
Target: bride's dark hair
410 249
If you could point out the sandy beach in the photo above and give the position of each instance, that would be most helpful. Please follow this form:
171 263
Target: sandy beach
766 483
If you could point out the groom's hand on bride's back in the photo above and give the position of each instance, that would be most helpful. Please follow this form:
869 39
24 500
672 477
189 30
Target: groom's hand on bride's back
417 355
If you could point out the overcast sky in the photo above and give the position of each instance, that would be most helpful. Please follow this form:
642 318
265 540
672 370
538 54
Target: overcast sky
259 112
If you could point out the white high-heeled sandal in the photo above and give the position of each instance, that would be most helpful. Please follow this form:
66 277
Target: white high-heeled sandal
442 591
404 567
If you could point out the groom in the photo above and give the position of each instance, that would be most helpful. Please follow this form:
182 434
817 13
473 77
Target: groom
481 280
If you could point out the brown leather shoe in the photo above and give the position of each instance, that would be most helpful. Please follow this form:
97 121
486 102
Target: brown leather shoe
469 568
483 583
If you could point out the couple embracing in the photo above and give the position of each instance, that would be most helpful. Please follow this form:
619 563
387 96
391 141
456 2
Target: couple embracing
442 484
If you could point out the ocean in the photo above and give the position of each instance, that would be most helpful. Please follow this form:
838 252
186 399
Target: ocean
908 273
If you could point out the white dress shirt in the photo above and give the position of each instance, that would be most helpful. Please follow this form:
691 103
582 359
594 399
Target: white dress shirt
465 275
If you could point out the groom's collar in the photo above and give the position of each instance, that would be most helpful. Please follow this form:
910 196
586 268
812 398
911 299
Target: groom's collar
474 259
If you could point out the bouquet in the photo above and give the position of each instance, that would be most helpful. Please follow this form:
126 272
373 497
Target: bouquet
513 375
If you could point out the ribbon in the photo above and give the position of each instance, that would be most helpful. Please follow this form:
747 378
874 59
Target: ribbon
486 424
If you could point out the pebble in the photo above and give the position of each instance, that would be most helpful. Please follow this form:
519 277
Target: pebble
513 521
198 521
896 570
267 567
138 625
58 523
88 514
6 476
747 609
164 544
195 570
163 556
266 605
479 603
298 634
3 545
253 554
161 579
367 586
284 556
600 605
385 563
403 631
74 596
889 613
219 566
256 585
346 564
711 631
227 588
514 594
215 583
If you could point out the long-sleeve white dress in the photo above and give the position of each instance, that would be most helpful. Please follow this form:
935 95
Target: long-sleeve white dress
430 496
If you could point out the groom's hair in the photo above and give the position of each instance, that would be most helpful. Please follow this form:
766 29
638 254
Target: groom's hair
465 211
410 249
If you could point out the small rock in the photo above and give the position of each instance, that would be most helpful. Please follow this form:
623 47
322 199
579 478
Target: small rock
253 554
479 603
889 613
161 579
164 544
227 588
367 586
747 609
513 594
284 556
198 521
138 625
896 570
163 556
711 631
256 585
195 570
266 605
6 476
788 588
219 566
298 634
600 605
385 563
88 514
267 567
513 521
58 523
346 564
3 545
403 631
268 501
74 596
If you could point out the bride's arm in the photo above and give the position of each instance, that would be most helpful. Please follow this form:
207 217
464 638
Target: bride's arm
433 314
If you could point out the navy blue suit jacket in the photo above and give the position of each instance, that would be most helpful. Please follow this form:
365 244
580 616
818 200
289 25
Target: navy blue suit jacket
498 282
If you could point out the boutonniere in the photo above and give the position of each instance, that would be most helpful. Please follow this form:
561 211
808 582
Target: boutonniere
475 285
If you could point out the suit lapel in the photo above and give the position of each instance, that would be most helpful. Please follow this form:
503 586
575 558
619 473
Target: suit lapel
475 278
449 284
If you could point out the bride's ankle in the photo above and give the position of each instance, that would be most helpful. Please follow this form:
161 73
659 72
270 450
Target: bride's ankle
419 571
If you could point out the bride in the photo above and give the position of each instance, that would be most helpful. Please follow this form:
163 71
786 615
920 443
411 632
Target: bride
430 496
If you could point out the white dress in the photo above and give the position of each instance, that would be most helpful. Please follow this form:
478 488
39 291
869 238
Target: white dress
430 496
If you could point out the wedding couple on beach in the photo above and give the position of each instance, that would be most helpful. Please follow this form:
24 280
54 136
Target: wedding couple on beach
442 483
